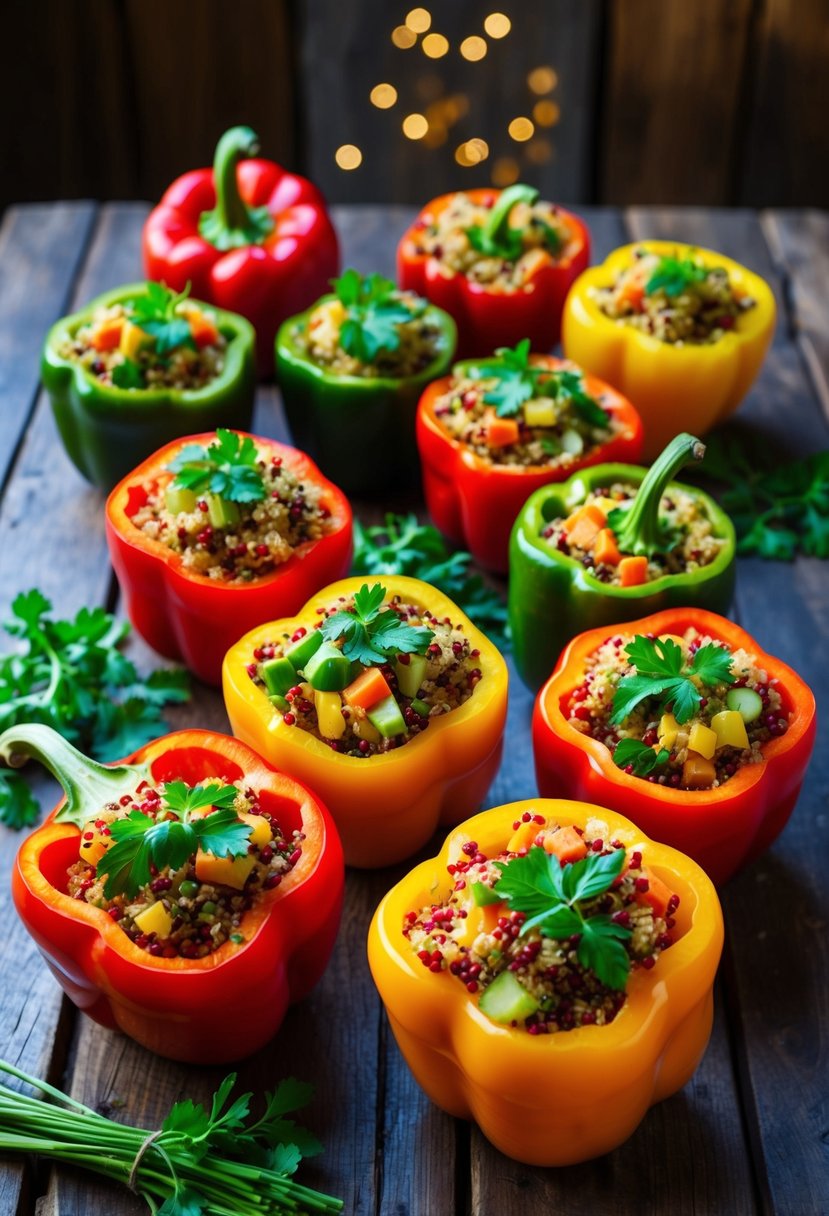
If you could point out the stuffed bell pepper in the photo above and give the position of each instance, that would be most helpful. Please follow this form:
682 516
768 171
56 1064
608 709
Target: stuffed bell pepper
499 428
351 370
681 331
607 546
499 261
139 367
215 534
550 976
186 896
680 721
386 698
247 236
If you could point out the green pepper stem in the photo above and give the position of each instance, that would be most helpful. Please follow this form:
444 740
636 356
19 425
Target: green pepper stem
495 227
232 224
87 784
640 531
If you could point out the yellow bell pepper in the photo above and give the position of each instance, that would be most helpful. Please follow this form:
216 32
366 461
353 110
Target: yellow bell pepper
674 387
385 806
562 1098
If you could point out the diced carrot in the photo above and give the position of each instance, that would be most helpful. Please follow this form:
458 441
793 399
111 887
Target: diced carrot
657 896
606 551
500 432
590 510
108 334
370 687
583 526
565 844
204 330
633 293
633 571
523 837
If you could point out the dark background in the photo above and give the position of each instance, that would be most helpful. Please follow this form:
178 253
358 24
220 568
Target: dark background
655 101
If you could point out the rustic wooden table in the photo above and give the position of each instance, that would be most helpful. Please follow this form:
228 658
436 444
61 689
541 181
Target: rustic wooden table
750 1132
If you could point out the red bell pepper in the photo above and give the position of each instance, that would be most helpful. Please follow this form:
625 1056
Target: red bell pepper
489 317
247 237
722 828
191 617
205 1010
476 501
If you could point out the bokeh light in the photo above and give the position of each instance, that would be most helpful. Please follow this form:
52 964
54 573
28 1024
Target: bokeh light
419 20
473 48
403 37
497 25
348 156
471 152
435 46
521 129
383 96
415 126
505 171
542 80
546 113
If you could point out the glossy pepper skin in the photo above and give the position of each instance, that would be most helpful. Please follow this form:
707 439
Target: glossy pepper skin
194 618
487 318
386 806
675 387
723 829
474 501
105 429
247 236
360 429
552 597
562 1098
203 1011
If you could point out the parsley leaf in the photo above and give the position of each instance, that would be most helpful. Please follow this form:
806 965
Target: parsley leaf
551 894
155 313
673 276
519 380
18 806
662 673
228 468
374 312
642 758
127 375
371 636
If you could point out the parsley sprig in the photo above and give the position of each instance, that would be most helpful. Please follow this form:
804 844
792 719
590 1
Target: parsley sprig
662 672
553 897
141 842
498 238
227 468
641 758
374 312
519 380
673 276
155 313
371 636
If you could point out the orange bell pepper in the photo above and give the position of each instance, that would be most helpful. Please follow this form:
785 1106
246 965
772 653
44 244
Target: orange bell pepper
385 806
674 386
562 1098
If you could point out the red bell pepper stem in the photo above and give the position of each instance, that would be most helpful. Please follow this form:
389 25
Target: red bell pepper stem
641 532
231 224
495 227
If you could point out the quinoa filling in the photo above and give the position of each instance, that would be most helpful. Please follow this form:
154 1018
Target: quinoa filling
527 975
681 711
677 300
189 910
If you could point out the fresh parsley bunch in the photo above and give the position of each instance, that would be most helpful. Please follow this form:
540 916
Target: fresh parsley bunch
227 468
371 636
520 381
71 675
661 672
155 313
673 276
374 311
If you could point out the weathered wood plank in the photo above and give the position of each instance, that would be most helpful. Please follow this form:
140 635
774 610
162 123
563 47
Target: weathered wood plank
776 912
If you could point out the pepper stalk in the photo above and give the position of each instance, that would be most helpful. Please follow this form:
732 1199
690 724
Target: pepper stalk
494 233
638 528
232 224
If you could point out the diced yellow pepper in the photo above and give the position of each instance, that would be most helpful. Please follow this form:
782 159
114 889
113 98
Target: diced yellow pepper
228 871
730 729
672 637
702 740
364 729
477 920
133 340
668 731
261 834
92 847
523 837
540 413
155 919
330 718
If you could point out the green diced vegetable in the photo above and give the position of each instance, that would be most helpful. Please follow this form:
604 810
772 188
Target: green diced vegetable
748 703
302 651
386 717
328 669
222 512
279 675
410 676
177 500
421 708
279 701
483 894
506 1000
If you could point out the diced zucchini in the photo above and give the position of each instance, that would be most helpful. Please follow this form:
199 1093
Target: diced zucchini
483 894
730 729
330 718
328 669
507 1000
299 654
178 500
702 740
387 718
410 675
279 675
747 702
222 512
421 708
279 702
572 442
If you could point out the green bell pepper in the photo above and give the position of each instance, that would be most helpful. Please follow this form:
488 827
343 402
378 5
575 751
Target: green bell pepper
552 597
360 430
107 430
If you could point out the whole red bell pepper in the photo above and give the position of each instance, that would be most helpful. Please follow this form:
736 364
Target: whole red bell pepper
722 828
207 1010
246 236
488 317
191 617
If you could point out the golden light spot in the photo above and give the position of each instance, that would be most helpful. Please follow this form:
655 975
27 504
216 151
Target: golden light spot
542 80
497 25
415 126
383 96
505 171
539 151
403 37
546 113
348 156
435 46
521 129
456 106
472 152
419 20
473 48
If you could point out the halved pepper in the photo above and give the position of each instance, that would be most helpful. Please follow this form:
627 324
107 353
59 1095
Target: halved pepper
552 596
106 429
206 1011
674 386
723 828
387 805
475 501
361 429
190 616
563 1098
488 317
